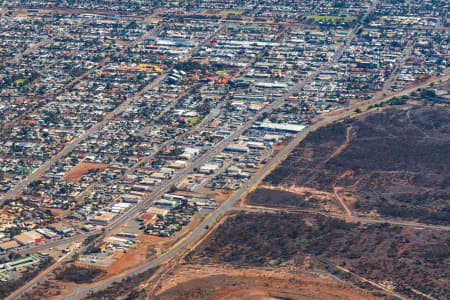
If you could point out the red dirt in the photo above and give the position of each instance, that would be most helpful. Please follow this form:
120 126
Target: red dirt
82 169
136 256
338 197
58 212
49 290
225 282
342 147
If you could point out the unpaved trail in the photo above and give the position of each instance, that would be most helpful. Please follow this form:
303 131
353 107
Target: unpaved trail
339 198
341 147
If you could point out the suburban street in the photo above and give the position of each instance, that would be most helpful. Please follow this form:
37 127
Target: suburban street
228 204
76 141
132 130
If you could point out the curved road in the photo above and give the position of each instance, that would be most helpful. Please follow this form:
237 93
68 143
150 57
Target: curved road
228 204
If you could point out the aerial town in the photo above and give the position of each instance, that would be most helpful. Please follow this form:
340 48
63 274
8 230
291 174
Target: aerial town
127 128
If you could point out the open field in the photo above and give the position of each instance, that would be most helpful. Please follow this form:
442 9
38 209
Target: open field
405 258
226 282
292 197
125 287
79 274
146 251
387 163
232 13
82 169
333 19
49 290
155 122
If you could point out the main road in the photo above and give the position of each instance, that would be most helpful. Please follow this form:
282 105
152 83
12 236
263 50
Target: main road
228 204
18 189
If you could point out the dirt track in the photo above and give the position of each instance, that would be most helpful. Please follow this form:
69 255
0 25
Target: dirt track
225 282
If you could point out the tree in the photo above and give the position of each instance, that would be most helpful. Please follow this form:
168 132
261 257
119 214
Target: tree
13 255
76 256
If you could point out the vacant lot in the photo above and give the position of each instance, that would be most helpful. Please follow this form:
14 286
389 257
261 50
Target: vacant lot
232 13
82 169
410 259
48 290
393 163
333 19
224 282
125 287
279 198
292 197
77 274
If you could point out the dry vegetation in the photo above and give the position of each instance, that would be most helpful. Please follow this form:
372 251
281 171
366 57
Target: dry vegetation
388 163
48 290
395 164
127 287
292 198
78 274
7 287
381 252
217 282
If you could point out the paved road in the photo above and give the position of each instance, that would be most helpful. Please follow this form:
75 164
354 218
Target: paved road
76 141
31 48
228 204
400 62
203 159
132 212
120 220
68 86
42 276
